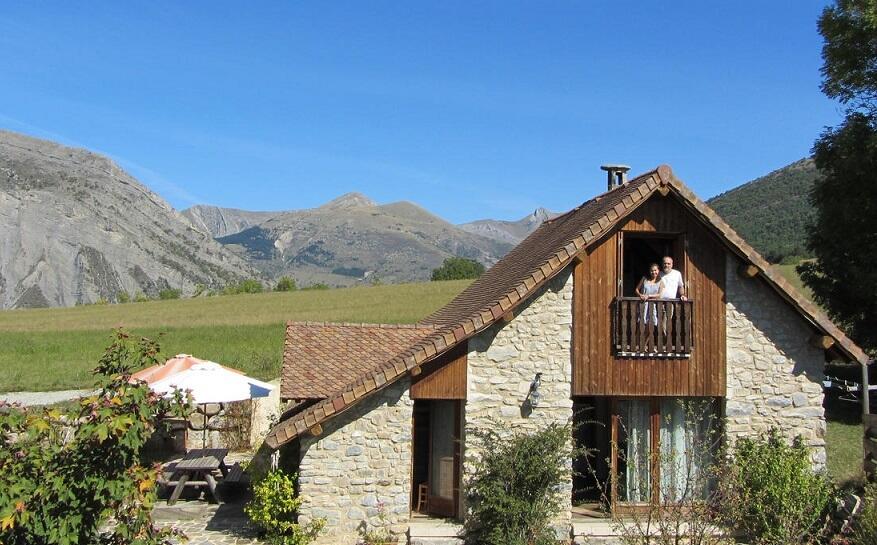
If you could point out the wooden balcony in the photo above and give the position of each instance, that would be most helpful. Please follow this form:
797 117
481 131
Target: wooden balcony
655 328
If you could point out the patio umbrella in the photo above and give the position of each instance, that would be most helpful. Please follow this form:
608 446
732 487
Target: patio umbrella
207 382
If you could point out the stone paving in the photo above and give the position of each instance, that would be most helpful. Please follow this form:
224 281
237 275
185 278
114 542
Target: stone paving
208 524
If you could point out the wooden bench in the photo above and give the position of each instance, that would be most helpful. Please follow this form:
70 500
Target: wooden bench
236 476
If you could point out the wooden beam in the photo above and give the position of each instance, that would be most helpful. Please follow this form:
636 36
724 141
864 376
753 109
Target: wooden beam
507 317
416 370
664 190
747 270
316 430
823 342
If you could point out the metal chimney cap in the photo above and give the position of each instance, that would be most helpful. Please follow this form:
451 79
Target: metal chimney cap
615 168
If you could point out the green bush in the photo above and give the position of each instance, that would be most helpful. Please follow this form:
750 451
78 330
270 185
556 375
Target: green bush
123 297
773 495
67 473
865 526
140 297
250 285
458 268
516 488
169 293
285 284
274 510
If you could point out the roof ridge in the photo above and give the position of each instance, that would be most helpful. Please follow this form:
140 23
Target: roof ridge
373 325
596 198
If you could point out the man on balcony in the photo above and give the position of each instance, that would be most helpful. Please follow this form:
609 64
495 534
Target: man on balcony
671 285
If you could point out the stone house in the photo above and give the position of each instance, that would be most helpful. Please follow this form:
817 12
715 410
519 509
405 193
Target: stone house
384 413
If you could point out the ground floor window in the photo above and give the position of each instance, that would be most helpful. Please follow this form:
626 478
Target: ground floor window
436 464
644 450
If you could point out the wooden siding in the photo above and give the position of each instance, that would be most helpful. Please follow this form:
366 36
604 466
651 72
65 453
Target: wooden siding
596 369
444 378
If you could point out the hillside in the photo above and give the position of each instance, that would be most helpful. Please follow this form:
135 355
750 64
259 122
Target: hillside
510 232
76 228
219 222
353 240
771 212
56 348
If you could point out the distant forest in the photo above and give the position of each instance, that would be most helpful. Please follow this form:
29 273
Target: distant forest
772 212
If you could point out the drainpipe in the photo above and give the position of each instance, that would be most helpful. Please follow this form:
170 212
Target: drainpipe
866 394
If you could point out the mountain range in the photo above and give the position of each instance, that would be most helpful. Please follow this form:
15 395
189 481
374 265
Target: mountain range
75 228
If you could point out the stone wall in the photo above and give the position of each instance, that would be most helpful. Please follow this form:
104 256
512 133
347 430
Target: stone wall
360 462
504 359
774 375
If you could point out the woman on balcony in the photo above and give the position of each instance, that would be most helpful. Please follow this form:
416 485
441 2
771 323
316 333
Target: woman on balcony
649 288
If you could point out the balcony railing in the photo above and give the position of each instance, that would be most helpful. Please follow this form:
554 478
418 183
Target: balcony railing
654 328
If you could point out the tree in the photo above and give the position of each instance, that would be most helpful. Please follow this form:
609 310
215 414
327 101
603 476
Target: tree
843 237
843 276
285 284
458 268
64 475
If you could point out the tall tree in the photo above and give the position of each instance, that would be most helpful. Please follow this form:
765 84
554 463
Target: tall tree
843 238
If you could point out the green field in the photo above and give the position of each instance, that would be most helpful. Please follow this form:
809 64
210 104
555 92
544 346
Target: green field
51 349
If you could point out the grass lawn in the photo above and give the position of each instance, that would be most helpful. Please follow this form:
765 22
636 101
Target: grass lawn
52 349
843 441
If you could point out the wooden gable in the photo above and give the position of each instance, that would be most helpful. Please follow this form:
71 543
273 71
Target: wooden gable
597 368
444 377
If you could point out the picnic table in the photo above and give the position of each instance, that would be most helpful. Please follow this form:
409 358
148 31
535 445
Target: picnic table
198 468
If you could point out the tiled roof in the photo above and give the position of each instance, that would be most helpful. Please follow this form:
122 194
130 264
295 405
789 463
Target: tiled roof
543 254
318 357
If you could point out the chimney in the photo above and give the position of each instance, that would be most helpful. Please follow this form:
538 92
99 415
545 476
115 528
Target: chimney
616 175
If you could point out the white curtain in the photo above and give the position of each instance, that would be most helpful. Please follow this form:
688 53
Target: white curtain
636 483
686 452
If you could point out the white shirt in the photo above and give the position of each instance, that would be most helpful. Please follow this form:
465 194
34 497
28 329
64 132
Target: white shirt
670 284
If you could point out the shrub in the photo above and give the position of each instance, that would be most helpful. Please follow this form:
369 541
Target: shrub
65 475
458 268
274 508
123 297
169 293
516 488
773 495
140 297
250 285
865 526
285 284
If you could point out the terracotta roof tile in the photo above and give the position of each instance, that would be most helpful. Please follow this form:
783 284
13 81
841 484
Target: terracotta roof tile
319 358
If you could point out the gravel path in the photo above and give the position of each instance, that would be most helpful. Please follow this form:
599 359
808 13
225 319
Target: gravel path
42 398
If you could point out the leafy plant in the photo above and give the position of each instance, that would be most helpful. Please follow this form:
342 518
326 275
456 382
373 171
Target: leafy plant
285 284
274 509
123 297
865 526
169 293
773 496
458 268
250 285
515 490
63 475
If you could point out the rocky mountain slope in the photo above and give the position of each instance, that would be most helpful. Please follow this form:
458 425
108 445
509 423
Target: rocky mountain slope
75 228
219 222
510 232
352 239
772 212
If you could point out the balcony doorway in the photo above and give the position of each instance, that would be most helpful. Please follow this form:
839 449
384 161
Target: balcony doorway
638 251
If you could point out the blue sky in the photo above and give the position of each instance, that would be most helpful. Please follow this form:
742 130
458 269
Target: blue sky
472 110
